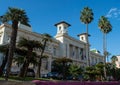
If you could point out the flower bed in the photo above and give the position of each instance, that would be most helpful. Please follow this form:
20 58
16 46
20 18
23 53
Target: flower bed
38 82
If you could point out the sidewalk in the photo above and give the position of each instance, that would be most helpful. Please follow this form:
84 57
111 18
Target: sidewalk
3 82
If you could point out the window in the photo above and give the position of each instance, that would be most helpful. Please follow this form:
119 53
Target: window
81 54
59 28
46 48
54 51
82 38
44 63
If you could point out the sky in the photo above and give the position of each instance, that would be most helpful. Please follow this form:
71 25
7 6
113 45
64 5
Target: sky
43 14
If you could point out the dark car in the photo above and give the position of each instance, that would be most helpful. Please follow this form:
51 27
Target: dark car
30 73
52 75
80 78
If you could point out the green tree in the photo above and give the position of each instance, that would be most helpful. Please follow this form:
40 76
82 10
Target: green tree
14 15
114 59
75 70
110 70
63 62
30 45
118 73
45 38
99 70
91 72
114 69
105 27
87 17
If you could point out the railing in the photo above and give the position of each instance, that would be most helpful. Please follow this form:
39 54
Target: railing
39 82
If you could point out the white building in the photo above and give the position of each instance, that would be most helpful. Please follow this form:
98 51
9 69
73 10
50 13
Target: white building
62 45
118 61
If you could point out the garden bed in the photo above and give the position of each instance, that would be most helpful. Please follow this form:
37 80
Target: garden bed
38 82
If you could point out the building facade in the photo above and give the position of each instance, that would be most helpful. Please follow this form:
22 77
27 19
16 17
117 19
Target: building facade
62 45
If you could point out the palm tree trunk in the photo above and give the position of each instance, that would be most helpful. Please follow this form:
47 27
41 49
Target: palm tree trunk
63 71
87 45
4 61
23 70
40 60
39 68
104 52
11 47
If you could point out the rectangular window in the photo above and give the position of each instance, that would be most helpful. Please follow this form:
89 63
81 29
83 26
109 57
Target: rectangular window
54 51
81 54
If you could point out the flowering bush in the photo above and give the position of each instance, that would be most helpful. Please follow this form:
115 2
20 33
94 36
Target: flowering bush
38 82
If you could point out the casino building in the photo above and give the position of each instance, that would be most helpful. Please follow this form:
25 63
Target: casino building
62 45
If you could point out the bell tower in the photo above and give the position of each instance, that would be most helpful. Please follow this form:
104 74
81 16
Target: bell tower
62 27
83 37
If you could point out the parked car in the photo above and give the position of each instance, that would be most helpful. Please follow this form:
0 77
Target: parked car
44 75
30 73
14 73
52 75
80 78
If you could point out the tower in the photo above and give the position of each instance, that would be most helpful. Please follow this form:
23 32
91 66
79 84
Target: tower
83 37
62 27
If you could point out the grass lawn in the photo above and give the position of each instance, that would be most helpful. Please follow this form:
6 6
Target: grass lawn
16 78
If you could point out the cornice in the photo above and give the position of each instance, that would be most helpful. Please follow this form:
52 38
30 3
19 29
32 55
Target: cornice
26 31
69 37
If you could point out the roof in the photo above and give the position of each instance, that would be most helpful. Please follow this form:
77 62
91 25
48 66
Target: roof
83 34
95 51
62 22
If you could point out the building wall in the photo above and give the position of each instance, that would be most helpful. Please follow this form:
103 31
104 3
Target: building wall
118 62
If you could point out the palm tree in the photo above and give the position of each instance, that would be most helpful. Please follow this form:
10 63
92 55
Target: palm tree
20 56
30 45
75 70
87 17
105 27
14 15
46 38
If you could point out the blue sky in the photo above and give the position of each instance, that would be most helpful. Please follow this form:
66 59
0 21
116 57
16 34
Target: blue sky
43 14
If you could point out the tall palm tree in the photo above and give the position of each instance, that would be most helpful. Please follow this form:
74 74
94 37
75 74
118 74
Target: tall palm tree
46 38
14 15
105 27
30 45
87 17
